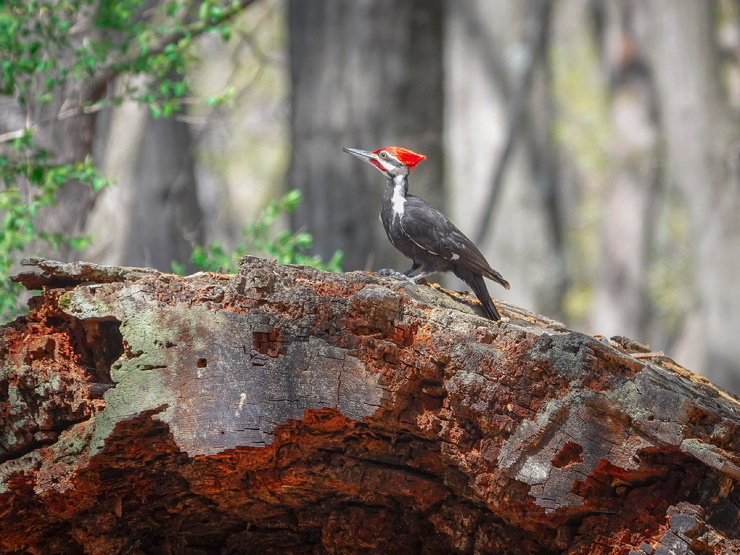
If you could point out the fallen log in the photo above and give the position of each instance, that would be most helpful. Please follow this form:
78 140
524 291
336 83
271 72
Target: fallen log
284 409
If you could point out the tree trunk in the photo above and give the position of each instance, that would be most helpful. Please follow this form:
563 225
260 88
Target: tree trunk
622 302
364 74
152 216
490 48
159 220
283 409
70 141
66 135
701 128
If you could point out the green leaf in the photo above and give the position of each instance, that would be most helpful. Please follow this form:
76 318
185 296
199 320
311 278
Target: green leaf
291 200
79 243
303 240
259 238
178 268
225 31
203 10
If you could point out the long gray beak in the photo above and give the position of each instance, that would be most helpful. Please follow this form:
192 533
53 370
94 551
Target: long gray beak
365 155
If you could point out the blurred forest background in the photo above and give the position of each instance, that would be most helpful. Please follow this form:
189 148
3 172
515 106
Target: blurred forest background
590 147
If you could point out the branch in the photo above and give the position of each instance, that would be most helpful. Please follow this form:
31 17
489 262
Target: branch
99 83
60 116
191 30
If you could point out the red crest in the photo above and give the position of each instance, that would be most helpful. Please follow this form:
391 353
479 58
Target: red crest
404 155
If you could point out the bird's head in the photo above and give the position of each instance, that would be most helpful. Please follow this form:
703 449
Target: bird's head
391 160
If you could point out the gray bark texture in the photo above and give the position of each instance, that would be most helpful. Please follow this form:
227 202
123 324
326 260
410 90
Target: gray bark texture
284 409
364 74
163 217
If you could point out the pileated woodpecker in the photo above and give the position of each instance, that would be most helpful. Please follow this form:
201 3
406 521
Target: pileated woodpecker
422 233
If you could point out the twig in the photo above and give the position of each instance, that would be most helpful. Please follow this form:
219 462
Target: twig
61 115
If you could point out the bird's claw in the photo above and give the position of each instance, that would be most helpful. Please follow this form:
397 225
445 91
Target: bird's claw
390 272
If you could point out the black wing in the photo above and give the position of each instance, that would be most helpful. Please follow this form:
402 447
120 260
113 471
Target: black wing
430 230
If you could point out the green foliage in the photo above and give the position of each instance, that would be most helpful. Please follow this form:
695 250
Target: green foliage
258 237
19 208
42 51
58 57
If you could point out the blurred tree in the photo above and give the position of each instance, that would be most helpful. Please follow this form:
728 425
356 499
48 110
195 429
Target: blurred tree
700 128
152 217
622 301
200 176
671 239
60 60
642 239
503 163
364 74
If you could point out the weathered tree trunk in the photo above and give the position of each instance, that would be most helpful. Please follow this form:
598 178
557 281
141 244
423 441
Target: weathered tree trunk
70 140
283 409
364 74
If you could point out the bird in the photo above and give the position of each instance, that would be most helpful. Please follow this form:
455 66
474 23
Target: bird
422 233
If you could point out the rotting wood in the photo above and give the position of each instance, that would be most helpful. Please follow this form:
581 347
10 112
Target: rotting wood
283 409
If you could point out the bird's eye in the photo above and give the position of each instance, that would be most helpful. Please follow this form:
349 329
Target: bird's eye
384 154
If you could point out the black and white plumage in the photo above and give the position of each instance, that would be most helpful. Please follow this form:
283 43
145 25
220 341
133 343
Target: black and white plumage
422 233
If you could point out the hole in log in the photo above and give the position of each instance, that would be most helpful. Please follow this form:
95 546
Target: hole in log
571 453
79 352
103 345
268 343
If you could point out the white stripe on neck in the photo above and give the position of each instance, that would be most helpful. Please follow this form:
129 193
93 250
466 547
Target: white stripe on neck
399 199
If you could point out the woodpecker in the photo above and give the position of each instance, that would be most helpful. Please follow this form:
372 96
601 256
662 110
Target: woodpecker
422 233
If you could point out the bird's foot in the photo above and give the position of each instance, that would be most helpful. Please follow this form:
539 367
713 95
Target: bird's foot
390 272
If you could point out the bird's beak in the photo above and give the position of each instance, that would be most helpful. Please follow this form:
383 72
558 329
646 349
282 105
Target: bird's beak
365 155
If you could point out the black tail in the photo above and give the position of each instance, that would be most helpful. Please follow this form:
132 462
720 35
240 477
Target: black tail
498 278
481 291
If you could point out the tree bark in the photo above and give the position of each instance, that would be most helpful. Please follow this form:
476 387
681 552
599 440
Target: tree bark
366 75
70 141
283 409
